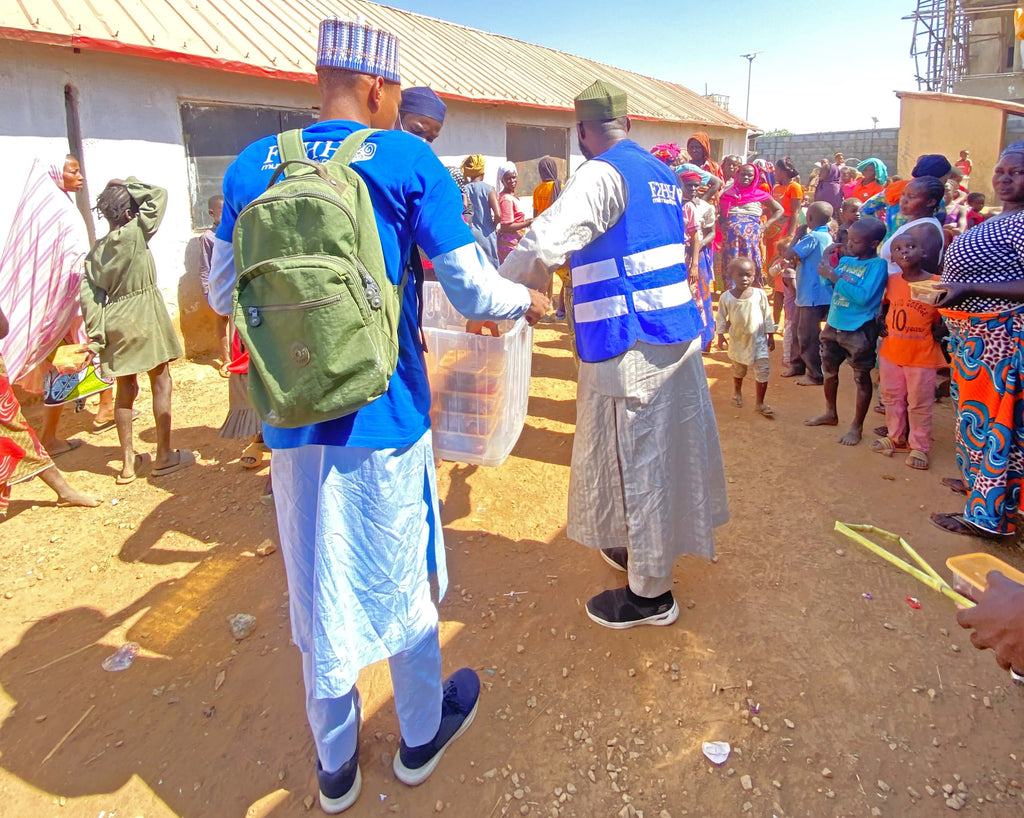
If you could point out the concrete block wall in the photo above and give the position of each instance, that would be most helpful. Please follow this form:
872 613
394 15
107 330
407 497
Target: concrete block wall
807 149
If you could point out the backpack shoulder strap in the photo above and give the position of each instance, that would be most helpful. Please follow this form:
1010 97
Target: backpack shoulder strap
291 149
347 150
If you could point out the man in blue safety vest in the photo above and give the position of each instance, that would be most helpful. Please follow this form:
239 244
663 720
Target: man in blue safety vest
647 482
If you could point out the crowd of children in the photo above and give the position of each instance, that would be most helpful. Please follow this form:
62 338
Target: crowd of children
848 281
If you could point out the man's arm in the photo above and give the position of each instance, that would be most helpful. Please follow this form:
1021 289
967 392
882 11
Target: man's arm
592 201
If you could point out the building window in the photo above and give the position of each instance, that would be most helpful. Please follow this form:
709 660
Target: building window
216 134
526 145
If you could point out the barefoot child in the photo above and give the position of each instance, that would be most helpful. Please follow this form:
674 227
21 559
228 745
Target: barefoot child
744 314
851 331
783 274
812 296
126 318
910 355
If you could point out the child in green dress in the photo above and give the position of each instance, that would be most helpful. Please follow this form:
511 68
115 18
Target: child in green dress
127 321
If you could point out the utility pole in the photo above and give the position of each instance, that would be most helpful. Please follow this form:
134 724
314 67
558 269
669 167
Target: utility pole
750 70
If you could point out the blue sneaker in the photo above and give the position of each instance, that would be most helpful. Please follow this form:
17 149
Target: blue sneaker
413 765
339 791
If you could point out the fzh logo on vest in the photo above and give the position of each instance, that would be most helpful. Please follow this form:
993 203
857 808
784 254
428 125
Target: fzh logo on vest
665 193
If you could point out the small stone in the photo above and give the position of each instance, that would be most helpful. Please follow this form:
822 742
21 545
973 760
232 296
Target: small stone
931 694
987 702
570 788
830 793
929 790
936 742
746 783
876 812
8 595
565 673
520 648
777 784
954 804
241 625
439 806
524 809
632 673
40 719
888 626
913 793
826 772
955 648
840 552
308 802
883 786
690 603
947 788
266 549
219 681
789 724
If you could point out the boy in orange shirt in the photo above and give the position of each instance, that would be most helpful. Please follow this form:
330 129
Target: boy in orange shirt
910 355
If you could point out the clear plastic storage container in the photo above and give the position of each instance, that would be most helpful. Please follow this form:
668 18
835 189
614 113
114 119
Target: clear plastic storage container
479 384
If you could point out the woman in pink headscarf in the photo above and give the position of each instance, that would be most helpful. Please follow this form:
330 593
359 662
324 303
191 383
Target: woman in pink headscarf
740 210
41 270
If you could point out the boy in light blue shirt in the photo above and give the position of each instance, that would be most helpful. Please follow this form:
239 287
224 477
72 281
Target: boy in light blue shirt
813 296
851 332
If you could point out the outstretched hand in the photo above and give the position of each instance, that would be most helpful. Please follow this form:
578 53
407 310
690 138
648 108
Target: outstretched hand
540 305
998 621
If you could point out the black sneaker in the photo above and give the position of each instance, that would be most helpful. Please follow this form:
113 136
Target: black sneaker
617 558
413 765
339 791
620 608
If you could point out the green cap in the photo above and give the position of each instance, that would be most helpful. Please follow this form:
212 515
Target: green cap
600 101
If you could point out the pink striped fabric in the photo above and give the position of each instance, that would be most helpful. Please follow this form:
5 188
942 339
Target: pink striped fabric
41 270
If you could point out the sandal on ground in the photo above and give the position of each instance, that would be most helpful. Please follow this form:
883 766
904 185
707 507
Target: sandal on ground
881 431
72 445
765 411
224 372
955 484
252 455
140 461
888 447
878 409
958 524
917 460
737 400
185 459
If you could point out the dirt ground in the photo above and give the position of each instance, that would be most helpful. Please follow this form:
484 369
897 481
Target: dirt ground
866 706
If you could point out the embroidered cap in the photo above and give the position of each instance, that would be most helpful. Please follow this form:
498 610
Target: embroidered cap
599 102
423 101
358 46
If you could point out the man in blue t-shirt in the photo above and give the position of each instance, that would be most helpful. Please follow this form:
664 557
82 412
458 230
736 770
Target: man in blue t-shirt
812 296
356 499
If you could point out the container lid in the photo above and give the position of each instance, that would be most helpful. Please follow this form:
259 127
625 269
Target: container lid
975 567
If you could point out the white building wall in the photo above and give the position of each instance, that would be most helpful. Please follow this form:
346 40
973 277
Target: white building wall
131 125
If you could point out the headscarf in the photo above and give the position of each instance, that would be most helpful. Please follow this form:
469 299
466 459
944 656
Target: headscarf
881 171
1014 147
736 196
41 269
667 152
458 178
503 168
894 192
931 164
548 171
473 165
690 177
705 142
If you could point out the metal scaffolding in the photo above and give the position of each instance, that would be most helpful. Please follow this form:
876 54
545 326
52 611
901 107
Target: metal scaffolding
945 39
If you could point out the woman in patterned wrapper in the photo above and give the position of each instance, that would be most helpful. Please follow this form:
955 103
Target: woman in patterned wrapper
983 304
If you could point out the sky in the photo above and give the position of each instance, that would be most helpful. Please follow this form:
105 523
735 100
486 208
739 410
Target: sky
824 67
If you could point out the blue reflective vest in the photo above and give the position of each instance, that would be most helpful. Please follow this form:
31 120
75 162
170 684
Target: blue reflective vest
630 284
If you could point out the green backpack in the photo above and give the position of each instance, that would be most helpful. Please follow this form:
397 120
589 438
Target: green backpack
313 303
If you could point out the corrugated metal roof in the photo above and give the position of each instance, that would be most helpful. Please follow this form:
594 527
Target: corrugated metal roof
277 38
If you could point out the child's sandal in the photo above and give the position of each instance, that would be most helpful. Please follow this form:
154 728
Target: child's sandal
886 446
765 411
737 400
917 460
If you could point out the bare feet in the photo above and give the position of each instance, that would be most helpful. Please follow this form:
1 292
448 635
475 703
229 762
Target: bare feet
823 420
807 380
57 447
66 496
852 436
737 399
